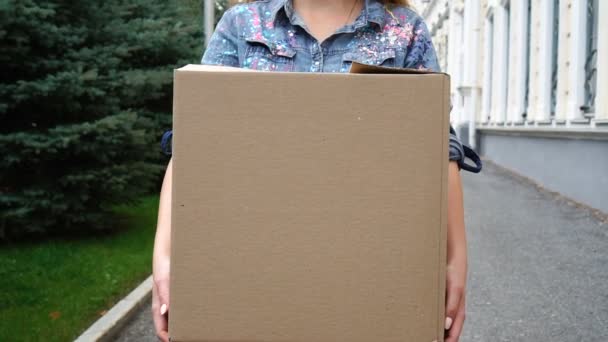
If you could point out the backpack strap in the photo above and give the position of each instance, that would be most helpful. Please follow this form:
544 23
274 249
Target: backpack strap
166 145
470 154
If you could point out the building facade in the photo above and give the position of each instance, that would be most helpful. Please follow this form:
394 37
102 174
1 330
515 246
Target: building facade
530 86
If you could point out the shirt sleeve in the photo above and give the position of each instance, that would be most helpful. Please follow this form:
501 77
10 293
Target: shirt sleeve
422 55
222 48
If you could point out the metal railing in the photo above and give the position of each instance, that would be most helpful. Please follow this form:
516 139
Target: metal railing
524 114
588 107
554 59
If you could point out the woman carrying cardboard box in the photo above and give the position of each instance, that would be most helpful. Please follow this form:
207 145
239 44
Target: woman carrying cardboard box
327 36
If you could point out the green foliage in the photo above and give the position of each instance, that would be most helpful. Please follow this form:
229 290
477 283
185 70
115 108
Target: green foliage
85 94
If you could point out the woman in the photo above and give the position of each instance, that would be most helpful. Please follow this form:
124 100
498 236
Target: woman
326 36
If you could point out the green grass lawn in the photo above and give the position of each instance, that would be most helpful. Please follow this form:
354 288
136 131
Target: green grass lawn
53 290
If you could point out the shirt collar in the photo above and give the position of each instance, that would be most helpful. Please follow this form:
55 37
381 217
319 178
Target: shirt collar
374 11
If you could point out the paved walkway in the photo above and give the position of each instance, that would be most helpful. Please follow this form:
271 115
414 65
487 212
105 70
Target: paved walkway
538 266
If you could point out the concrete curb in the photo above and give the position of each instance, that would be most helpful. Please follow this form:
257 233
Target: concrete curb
105 328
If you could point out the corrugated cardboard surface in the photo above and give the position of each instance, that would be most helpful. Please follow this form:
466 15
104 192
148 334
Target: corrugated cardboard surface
308 207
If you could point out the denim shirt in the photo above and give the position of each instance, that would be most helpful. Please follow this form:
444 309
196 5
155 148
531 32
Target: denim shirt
269 35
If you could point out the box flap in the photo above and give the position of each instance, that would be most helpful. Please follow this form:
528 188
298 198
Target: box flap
213 68
356 68
359 68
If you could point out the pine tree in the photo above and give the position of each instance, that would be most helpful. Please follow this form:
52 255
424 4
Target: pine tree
85 94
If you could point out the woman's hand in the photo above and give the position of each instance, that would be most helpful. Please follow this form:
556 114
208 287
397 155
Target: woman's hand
160 299
457 258
455 302
161 260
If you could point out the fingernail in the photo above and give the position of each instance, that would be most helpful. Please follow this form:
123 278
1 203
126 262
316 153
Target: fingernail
163 309
448 323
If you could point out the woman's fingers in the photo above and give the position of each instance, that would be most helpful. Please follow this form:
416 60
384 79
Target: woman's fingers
454 297
162 286
453 334
160 307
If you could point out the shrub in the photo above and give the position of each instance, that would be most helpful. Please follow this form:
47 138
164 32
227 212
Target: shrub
85 95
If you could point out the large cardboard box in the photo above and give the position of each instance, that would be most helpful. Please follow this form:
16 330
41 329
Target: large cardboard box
309 207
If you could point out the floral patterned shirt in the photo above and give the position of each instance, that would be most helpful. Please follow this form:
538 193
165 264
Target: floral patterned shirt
269 35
